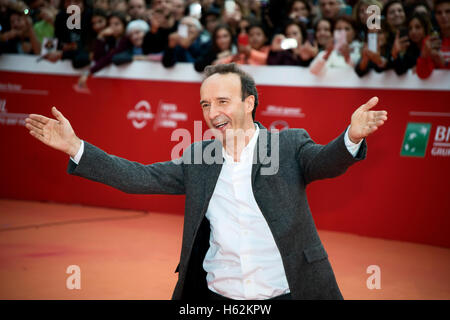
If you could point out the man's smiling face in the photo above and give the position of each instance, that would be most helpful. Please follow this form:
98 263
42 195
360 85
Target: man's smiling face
222 105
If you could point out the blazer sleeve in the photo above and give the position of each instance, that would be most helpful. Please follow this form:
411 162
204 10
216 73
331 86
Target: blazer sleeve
325 161
128 176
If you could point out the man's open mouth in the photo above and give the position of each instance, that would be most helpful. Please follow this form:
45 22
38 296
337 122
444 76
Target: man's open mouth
221 125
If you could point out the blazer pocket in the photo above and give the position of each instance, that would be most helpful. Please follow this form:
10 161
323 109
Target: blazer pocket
315 253
177 269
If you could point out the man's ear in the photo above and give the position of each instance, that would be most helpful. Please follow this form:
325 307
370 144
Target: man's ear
249 103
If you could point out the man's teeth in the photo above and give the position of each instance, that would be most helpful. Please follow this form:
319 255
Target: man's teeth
221 125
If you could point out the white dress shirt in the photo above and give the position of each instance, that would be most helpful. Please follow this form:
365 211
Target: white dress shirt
243 261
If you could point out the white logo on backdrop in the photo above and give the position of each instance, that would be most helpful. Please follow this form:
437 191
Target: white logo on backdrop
167 115
141 114
279 111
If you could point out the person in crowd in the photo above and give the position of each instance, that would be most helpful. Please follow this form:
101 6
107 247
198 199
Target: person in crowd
254 52
208 4
419 27
210 20
178 9
373 59
361 16
339 55
109 42
300 55
21 38
185 48
45 26
100 4
73 43
256 9
395 16
131 48
397 37
222 46
435 53
420 6
232 18
118 6
136 9
162 24
300 10
323 33
330 9
34 7
99 22
109 38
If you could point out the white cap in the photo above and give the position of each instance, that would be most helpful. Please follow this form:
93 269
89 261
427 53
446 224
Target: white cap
137 25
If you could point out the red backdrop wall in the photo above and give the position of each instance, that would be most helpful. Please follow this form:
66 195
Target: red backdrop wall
387 195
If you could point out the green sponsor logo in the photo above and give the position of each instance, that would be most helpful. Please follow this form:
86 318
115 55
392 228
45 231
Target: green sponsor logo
416 139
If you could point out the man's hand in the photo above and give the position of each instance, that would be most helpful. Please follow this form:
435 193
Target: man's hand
57 134
364 121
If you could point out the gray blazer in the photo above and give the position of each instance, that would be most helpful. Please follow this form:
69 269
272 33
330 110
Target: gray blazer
280 196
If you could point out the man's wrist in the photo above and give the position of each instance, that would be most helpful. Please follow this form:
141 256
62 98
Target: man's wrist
75 146
355 141
352 139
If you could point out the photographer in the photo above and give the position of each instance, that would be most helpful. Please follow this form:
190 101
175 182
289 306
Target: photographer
72 43
184 47
372 59
252 47
435 52
344 53
419 27
300 54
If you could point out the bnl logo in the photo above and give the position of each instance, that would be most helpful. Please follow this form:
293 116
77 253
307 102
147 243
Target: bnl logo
416 139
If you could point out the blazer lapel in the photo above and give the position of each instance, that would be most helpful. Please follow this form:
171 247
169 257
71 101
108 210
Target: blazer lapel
212 172
262 150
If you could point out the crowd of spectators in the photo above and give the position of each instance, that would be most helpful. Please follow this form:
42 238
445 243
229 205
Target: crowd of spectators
314 34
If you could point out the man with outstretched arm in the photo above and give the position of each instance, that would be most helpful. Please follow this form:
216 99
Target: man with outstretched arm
248 231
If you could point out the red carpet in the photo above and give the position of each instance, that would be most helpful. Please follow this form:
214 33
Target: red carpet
133 255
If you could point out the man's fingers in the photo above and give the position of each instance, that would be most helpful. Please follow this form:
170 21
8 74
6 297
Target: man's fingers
37 135
34 123
370 104
377 115
381 114
375 123
34 129
39 118
58 115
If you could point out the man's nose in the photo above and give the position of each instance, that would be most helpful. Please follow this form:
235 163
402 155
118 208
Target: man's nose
213 112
